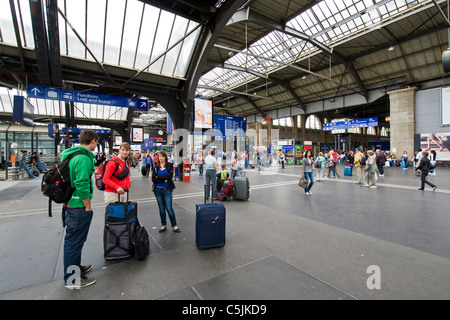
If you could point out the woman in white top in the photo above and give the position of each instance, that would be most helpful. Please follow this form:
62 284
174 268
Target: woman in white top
210 174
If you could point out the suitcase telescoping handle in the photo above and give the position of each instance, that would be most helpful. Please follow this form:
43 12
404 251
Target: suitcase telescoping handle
205 193
128 195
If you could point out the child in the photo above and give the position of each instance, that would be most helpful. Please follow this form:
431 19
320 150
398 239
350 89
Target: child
223 174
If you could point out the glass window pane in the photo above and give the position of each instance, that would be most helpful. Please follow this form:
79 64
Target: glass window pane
148 30
96 28
114 24
131 33
76 14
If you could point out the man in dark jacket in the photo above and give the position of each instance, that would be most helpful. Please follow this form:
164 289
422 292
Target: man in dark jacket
380 160
424 168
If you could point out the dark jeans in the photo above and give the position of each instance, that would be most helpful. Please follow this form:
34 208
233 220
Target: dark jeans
424 180
381 169
78 222
164 199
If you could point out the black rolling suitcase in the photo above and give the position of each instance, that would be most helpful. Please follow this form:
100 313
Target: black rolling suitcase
210 224
123 236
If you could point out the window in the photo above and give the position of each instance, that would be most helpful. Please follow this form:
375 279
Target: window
312 122
371 131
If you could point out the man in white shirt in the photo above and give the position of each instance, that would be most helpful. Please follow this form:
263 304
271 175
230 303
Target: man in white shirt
210 174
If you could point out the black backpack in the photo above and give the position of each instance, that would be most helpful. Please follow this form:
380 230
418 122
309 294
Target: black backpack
56 183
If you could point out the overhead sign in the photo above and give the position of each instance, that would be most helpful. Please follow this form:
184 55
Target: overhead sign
78 130
230 126
23 111
350 124
40 92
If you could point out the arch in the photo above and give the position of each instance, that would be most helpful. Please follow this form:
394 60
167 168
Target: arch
313 122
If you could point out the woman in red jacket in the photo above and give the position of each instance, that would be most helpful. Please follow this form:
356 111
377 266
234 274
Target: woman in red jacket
117 176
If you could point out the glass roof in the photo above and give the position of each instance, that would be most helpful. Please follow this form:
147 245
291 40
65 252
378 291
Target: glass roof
329 22
125 33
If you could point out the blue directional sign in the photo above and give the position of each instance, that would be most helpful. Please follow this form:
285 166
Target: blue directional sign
85 97
78 130
350 124
230 126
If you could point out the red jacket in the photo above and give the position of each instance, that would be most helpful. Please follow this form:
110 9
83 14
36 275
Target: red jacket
112 183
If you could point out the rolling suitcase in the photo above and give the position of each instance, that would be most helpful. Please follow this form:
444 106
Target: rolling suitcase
347 171
123 236
210 225
242 188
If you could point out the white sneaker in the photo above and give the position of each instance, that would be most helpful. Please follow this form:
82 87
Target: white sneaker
310 193
307 193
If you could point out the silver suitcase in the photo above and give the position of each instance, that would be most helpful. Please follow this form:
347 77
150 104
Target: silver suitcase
242 188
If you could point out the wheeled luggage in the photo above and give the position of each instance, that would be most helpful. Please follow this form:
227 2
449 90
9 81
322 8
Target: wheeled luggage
347 171
210 225
242 188
123 236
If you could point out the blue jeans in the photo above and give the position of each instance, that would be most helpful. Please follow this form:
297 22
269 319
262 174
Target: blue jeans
309 176
25 167
164 199
210 178
78 222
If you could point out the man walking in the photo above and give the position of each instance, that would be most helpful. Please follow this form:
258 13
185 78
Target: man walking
380 159
78 210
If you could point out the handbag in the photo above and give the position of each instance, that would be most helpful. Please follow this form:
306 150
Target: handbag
303 182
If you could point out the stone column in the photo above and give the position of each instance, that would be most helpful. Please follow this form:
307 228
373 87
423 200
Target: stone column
403 120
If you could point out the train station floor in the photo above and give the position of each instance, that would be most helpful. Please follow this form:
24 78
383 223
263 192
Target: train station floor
343 242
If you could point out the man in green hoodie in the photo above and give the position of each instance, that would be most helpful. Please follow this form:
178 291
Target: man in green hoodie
78 210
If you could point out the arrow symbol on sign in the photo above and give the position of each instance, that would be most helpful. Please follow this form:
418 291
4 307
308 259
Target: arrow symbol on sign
35 91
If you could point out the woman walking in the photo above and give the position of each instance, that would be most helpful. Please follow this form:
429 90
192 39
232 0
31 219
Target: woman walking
307 165
163 186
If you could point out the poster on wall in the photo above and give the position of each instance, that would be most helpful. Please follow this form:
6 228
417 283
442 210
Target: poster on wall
445 107
137 134
203 114
439 142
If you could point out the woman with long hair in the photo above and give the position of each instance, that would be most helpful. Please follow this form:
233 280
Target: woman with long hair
163 187
307 172
117 176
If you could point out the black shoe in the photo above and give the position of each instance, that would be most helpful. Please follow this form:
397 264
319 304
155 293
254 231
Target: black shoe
177 230
419 189
162 229
434 188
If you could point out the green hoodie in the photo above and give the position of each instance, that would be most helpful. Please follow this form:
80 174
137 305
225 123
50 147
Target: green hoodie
81 170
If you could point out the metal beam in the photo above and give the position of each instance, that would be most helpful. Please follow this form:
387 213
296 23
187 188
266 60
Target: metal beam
247 15
53 38
40 41
208 37
284 84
